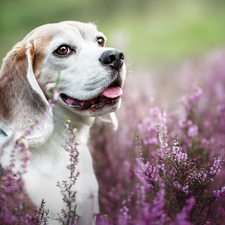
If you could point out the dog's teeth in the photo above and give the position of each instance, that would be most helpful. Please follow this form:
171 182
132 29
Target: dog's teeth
98 106
76 105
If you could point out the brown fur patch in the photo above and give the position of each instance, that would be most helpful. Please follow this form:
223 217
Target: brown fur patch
29 207
40 45
37 62
17 98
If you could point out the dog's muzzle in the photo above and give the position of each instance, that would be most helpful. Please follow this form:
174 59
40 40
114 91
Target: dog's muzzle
110 96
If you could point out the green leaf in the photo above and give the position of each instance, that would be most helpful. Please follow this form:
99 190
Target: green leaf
58 78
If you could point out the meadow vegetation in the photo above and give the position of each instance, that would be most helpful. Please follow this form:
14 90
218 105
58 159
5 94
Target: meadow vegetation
165 163
152 31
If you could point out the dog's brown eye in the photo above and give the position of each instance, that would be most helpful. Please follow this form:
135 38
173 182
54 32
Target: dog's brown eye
101 41
62 50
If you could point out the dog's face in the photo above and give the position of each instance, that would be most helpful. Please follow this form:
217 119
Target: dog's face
91 76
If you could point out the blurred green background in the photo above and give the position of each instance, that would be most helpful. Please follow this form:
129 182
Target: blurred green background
149 31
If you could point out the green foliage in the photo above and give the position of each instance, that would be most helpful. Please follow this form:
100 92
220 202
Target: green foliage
152 30
43 213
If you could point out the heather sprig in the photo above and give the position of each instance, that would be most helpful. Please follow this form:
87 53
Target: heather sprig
146 172
68 216
12 191
43 213
219 193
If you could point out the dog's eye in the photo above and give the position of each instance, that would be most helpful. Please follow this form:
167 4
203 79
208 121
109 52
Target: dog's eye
63 50
101 41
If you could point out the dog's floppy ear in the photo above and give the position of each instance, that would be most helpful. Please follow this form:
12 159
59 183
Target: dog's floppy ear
22 102
110 118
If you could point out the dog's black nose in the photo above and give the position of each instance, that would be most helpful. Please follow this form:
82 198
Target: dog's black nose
112 58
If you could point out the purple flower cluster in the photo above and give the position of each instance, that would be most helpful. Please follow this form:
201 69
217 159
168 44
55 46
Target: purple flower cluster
219 193
181 156
12 192
217 165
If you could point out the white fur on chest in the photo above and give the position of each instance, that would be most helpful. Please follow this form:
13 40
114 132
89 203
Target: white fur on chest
48 166
41 180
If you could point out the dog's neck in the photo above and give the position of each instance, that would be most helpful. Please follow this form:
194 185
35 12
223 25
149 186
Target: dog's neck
80 122
52 152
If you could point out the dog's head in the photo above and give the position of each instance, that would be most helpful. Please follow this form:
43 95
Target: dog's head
91 76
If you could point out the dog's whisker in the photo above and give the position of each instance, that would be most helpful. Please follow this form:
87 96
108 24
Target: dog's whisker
127 65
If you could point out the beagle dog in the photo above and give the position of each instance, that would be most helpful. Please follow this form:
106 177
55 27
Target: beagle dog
90 85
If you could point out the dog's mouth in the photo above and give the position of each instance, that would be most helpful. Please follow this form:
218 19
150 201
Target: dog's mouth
110 96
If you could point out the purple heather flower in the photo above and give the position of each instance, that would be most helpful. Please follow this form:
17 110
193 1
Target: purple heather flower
192 131
215 169
55 95
182 218
219 193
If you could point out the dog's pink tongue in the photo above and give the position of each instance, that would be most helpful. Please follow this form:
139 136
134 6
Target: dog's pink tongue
69 101
112 92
